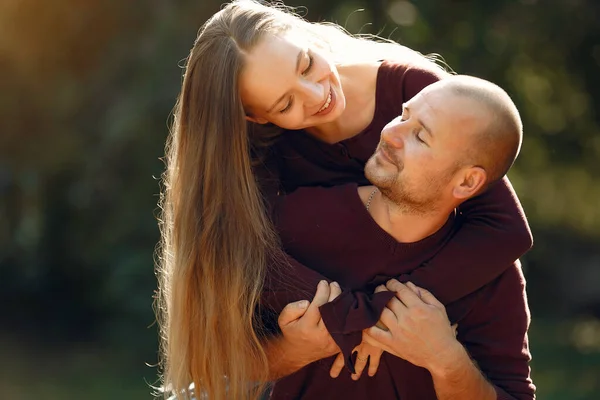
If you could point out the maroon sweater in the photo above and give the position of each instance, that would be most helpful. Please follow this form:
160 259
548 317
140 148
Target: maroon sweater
347 245
494 222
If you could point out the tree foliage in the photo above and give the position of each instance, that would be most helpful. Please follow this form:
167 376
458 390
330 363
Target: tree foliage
85 106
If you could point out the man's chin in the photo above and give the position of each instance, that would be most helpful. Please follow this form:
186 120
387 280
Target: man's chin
379 174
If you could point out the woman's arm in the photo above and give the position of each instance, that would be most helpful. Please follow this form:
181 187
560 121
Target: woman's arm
493 235
297 339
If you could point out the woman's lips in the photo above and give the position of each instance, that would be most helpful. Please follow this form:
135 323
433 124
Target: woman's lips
331 103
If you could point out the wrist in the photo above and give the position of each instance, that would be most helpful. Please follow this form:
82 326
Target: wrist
283 358
450 362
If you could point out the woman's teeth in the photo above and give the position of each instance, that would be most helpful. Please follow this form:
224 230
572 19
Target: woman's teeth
326 103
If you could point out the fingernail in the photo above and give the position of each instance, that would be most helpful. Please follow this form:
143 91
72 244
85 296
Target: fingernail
337 285
322 283
302 304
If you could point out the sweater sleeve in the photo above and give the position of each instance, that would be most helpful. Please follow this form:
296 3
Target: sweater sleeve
495 335
288 280
493 235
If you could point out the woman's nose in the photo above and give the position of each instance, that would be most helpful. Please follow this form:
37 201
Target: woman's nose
313 92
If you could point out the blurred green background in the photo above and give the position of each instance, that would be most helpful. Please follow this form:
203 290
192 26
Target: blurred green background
86 92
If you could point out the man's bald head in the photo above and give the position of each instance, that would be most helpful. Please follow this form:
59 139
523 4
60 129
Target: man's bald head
495 144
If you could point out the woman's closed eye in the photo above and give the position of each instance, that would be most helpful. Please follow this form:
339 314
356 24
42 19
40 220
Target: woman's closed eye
288 105
304 73
310 65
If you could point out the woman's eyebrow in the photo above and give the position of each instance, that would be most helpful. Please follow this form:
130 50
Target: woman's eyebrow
298 61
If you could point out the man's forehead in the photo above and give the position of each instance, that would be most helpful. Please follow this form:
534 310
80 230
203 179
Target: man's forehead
442 100
446 113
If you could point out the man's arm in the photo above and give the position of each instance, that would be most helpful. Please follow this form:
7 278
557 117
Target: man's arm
496 336
304 337
420 332
457 377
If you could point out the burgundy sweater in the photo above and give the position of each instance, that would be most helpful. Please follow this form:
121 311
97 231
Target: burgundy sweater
493 223
340 240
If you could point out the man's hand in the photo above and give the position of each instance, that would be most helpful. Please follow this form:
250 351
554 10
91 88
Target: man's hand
418 328
304 331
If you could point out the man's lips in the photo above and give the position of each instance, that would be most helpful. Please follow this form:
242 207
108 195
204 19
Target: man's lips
385 155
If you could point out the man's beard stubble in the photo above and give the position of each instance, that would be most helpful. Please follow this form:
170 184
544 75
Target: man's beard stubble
419 200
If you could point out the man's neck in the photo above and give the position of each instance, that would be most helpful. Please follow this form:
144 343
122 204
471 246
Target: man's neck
401 224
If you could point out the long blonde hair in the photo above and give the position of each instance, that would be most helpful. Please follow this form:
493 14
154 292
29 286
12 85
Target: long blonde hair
216 234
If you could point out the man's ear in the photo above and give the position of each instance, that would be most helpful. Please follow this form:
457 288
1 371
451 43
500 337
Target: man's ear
471 181
257 120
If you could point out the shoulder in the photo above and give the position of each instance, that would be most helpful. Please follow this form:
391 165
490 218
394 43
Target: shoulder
504 299
308 200
407 78
311 213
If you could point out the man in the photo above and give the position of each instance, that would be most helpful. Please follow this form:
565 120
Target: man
454 139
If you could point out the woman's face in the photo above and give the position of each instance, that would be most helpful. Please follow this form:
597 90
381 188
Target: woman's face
290 83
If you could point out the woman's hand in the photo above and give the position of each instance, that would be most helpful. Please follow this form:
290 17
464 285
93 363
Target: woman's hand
365 353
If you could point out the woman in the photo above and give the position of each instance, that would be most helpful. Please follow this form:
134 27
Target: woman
269 103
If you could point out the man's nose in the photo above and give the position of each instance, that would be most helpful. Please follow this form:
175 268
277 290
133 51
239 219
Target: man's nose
393 133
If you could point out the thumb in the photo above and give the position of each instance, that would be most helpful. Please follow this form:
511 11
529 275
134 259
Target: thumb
292 312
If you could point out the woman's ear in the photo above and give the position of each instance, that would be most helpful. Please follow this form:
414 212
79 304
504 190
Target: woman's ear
257 120
472 181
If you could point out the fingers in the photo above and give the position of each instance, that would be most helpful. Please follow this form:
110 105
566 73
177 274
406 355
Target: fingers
396 306
382 326
334 291
338 365
404 293
387 318
425 295
292 312
381 288
378 338
321 297
360 363
414 288
374 363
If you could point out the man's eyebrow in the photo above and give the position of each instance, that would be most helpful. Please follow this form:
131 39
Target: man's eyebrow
406 108
298 61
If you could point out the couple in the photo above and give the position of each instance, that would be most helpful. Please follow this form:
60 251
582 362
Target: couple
274 125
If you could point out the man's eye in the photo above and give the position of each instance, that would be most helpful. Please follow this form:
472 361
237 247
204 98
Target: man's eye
417 135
